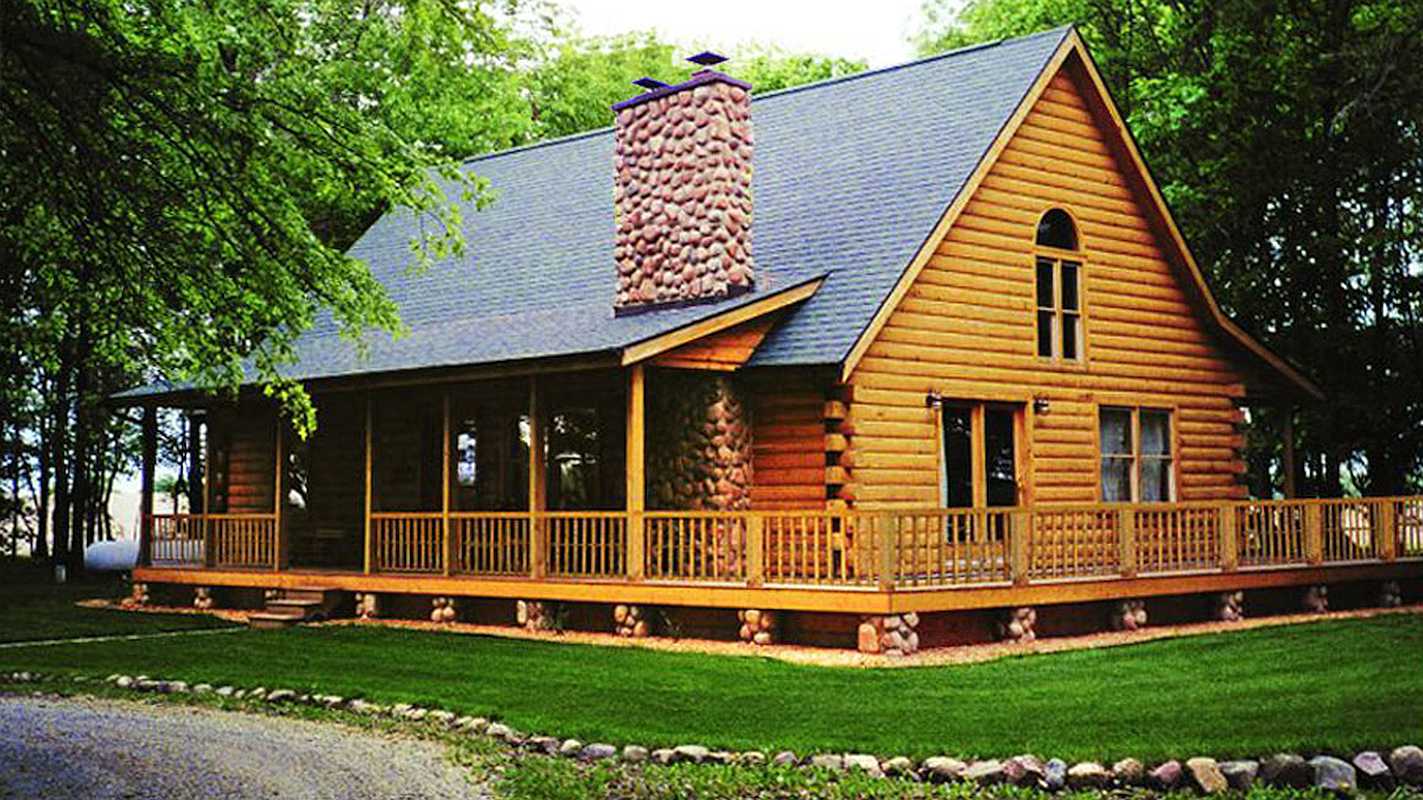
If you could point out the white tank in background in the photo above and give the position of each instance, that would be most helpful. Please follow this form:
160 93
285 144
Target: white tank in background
119 556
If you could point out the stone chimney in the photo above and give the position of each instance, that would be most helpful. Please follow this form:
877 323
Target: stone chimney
682 191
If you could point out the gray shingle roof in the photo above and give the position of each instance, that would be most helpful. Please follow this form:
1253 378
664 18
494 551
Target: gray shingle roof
851 176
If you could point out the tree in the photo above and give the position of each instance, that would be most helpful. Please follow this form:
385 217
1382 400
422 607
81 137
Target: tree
1287 139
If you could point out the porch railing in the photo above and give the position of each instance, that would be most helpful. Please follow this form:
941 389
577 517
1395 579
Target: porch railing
886 550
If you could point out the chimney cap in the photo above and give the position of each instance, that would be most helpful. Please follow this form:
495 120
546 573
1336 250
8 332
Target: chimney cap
707 58
649 83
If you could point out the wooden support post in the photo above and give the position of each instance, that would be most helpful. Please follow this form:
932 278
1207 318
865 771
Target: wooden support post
1314 533
449 539
538 475
209 541
1386 529
281 552
195 465
887 528
635 466
1229 538
145 503
1020 534
755 550
1288 465
1126 541
369 551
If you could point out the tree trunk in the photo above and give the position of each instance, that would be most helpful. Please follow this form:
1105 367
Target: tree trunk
40 550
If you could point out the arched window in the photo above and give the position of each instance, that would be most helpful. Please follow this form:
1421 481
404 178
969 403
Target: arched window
1055 229
1059 288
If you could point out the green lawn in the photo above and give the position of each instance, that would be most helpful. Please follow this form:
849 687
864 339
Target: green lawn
30 610
1333 685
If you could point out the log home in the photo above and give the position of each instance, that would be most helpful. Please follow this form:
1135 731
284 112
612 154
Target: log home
923 357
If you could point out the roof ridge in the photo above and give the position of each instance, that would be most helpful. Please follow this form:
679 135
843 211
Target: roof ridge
588 134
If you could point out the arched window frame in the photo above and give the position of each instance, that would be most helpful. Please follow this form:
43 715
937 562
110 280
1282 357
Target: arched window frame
1066 266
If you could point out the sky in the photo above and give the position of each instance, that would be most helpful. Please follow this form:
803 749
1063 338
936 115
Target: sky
875 32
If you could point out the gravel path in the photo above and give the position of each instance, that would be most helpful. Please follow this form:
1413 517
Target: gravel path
90 749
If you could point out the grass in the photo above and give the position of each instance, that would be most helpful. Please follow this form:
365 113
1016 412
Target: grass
1336 685
31 610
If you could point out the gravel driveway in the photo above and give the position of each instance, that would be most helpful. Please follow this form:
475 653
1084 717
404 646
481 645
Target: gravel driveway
98 749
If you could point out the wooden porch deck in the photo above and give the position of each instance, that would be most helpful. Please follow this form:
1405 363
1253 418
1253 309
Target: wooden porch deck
847 562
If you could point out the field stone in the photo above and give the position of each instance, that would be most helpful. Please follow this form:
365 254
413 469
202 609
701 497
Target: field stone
663 755
441 716
1088 775
222 691
1407 764
985 773
1129 772
828 761
1373 772
1024 770
281 696
498 730
1287 771
865 763
635 754
599 751
899 767
1334 775
1240 775
693 753
720 757
202 688
178 687
785 758
751 758
1055 775
1166 776
125 682
1206 776
942 769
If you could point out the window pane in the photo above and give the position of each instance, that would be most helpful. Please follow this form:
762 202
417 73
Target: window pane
998 464
1155 433
1045 283
1115 432
1046 324
1056 230
1071 324
1069 285
958 458
1116 479
1155 479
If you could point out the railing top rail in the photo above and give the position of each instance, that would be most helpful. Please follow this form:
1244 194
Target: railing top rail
407 514
240 516
477 515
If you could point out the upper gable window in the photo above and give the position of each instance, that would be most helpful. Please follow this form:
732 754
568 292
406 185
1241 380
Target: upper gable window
1059 289
1055 229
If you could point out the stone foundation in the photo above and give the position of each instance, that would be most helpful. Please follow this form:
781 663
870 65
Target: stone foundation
1128 615
630 620
535 615
202 598
367 605
1018 625
758 626
1229 607
1390 594
893 635
1315 599
444 610
137 597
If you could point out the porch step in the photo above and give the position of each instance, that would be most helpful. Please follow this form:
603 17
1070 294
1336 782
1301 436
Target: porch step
296 606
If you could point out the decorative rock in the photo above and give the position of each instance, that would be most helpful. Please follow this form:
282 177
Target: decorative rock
442 717
1019 625
1055 775
1025 770
281 696
785 758
828 761
631 621
366 708
444 610
693 753
1206 776
757 626
864 763
535 615
1230 606
634 754
1129 772
499 730
1373 772
942 769
1128 615
225 691
1334 775
570 747
1407 764
1287 771
1390 595
599 751
985 773
125 682
202 688
892 635
367 605
750 758
138 596
547 745
1088 775
663 755
1166 776
898 767
474 724
202 598
1315 599
1240 775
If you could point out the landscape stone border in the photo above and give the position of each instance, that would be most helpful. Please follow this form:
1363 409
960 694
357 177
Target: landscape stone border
1369 769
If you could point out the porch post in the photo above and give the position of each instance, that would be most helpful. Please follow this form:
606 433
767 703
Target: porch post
445 485
538 474
1288 465
209 551
367 516
145 503
634 468
281 553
